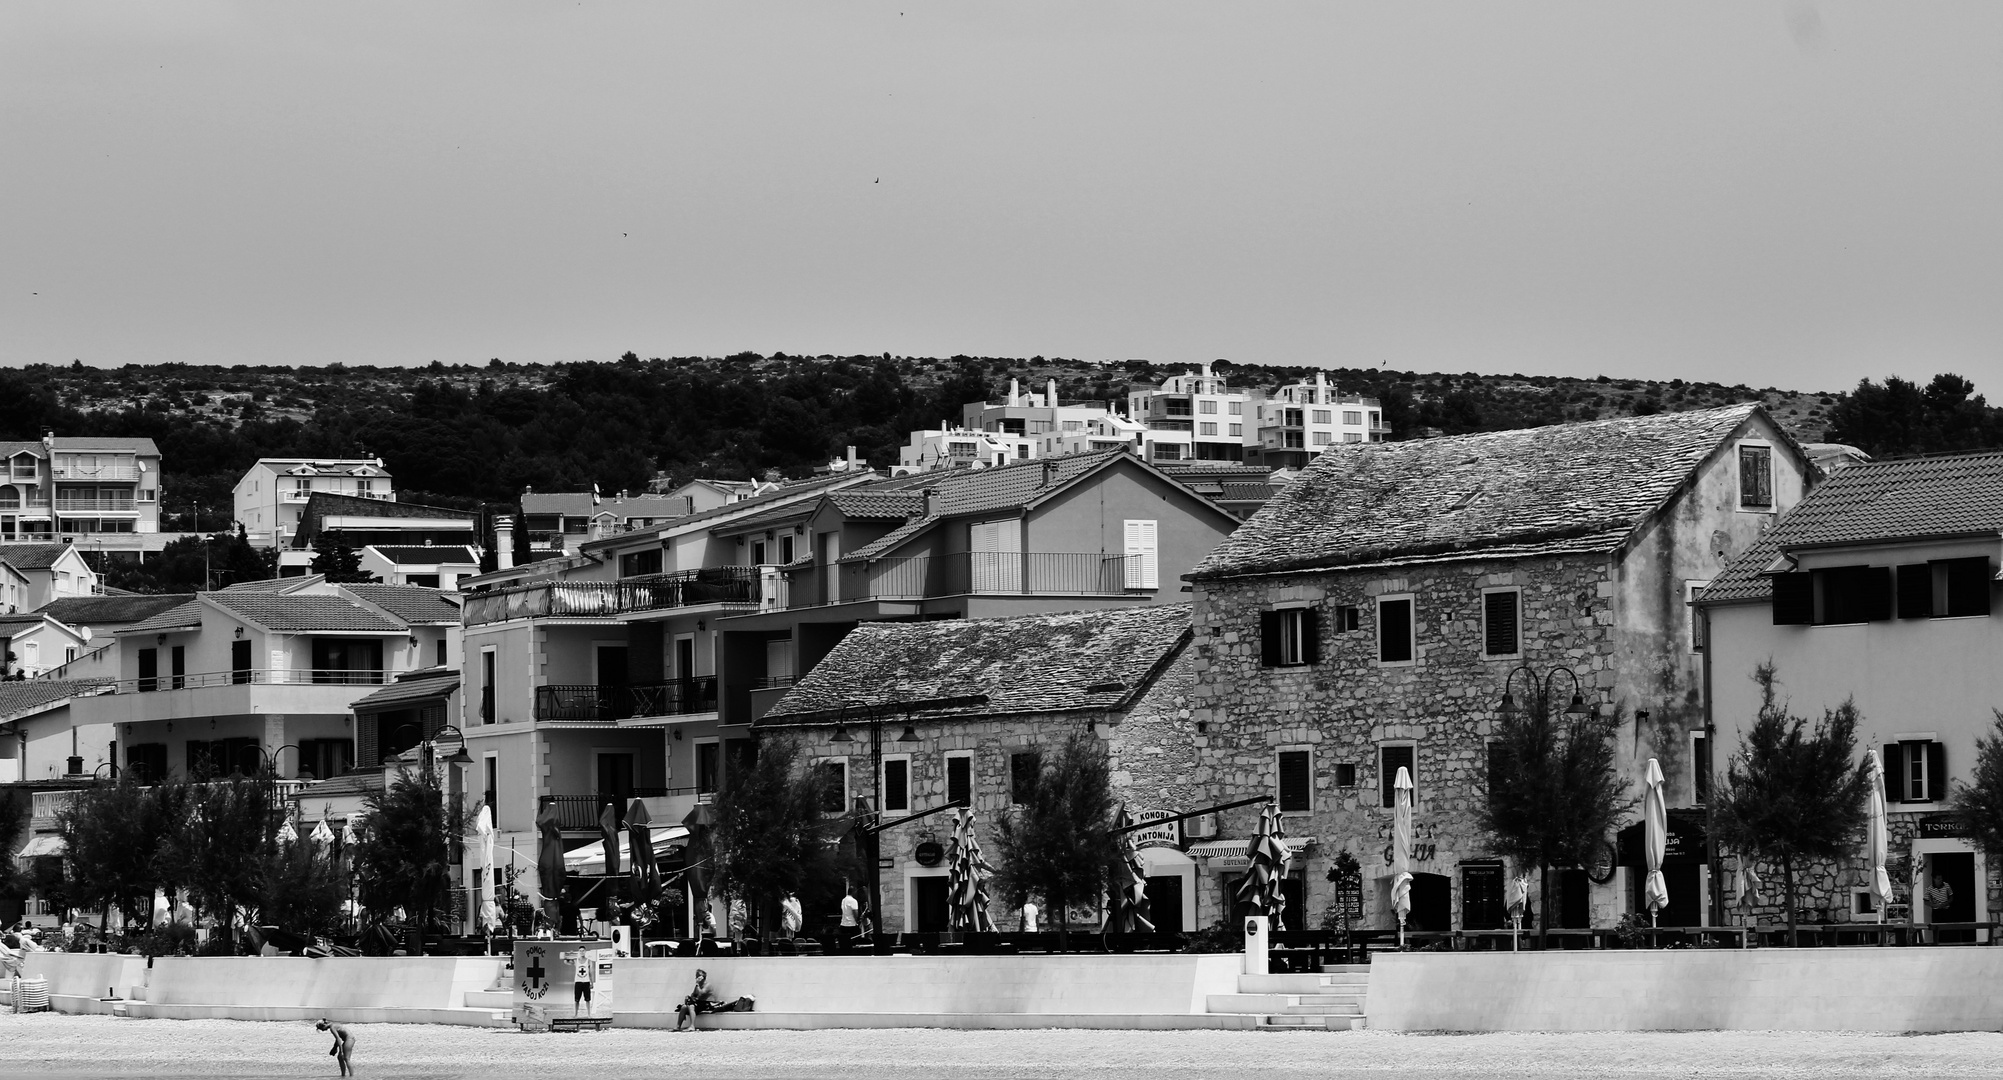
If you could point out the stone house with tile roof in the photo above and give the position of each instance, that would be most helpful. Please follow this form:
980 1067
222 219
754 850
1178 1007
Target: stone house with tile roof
271 666
1372 614
981 697
1881 588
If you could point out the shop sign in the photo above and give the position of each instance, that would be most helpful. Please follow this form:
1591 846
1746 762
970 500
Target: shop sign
929 853
1941 827
1166 834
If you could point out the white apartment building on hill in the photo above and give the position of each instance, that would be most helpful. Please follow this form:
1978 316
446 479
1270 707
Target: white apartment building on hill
271 497
76 488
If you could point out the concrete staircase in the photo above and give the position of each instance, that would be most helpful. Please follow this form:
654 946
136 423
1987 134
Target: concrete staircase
1333 999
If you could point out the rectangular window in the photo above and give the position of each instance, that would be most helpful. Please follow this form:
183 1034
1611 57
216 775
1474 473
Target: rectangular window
1293 440
960 780
1143 554
1235 408
1324 416
758 553
1207 408
1324 438
1853 594
1022 769
488 660
1501 623
708 767
177 665
1206 428
492 792
149 670
1394 630
1391 758
1345 774
1237 430
1290 417
1497 766
1352 436
240 662
1756 476
1962 587
1289 637
786 550
896 785
1348 617
1352 419
1696 617
833 775
1296 782
1700 767
1915 771
438 651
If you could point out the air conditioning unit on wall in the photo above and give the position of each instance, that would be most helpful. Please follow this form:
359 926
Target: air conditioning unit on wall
1201 827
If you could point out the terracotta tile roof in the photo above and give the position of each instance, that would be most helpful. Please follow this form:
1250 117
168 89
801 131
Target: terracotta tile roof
32 556
975 491
866 503
1908 499
1083 660
142 447
1570 487
179 617
303 612
414 604
22 696
791 490
111 610
408 690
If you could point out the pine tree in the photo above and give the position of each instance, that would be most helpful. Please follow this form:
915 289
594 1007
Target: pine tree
1056 845
1978 807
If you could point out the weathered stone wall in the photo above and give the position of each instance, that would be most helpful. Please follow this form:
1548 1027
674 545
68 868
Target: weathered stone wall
1150 751
1348 705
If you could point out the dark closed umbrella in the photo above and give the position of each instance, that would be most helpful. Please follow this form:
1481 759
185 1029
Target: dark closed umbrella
640 841
696 877
549 863
608 827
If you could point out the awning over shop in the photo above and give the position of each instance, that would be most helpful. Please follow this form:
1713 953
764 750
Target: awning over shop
1230 854
40 846
590 859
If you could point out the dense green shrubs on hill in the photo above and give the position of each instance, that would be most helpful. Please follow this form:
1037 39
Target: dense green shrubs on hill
466 435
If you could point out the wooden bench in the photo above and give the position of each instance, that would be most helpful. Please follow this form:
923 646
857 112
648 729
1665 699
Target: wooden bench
579 1023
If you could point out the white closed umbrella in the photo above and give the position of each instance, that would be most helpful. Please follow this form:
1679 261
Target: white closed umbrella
288 835
1876 842
1401 849
1519 903
1655 840
323 835
483 829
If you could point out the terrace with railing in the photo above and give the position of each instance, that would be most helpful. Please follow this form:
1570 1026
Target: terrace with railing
666 806
735 585
593 702
993 573
254 677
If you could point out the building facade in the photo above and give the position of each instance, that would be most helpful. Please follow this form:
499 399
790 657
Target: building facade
1374 613
1880 589
75 488
270 499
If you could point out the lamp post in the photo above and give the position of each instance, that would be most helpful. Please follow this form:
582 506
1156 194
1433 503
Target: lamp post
96 774
872 715
1539 705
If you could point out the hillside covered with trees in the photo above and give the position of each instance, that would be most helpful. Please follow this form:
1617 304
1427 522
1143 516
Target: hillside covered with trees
469 435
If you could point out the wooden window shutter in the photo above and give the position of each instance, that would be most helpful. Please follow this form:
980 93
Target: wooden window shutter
1915 591
960 781
1498 763
1793 599
1895 772
368 754
1295 782
1936 772
1968 586
1755 476
1269 639
1499 623
1310 636
1389 759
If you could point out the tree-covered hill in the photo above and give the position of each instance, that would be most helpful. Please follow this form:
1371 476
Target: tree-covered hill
467 434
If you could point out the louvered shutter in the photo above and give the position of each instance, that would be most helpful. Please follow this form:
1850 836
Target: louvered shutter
368 755
1269 638
1895 772
1793 599
1310 636
1874 584
1389 759
960 781
1936 772
1295 782
1915 591
1143 556
1499 624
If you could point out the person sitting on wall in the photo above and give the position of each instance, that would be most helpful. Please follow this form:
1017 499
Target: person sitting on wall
703 1000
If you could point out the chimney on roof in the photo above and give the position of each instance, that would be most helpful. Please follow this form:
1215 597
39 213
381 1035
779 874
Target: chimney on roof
1049 473
852 462
504 542
1050 394
931 501
1014 392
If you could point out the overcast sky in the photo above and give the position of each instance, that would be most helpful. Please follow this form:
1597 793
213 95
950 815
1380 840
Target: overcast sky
1796 194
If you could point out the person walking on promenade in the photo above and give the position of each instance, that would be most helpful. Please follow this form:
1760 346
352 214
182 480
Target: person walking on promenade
344 1044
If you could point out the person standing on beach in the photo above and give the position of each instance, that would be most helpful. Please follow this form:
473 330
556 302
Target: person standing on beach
344 1044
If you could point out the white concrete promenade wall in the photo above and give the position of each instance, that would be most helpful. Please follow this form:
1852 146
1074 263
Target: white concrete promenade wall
1175 984
1832 989
290 982
86 975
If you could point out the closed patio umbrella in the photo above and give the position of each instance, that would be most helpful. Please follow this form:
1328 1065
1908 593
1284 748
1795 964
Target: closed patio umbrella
1270 856
1655 839
549 864
1876 843
287 835
1519 903
609 830
967 884
1136 912
640 846
1401 849
481 855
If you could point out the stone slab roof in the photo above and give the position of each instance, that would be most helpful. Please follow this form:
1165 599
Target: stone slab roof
1910 499
1066 662
303 612
414 604
1566 488
112 610
32 556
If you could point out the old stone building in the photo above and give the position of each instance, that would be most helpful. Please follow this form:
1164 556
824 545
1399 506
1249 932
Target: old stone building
963 705
1372 614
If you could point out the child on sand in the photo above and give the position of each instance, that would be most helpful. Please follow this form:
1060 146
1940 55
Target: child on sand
344 1044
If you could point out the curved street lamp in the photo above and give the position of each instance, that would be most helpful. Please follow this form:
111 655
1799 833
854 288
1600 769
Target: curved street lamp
1540 692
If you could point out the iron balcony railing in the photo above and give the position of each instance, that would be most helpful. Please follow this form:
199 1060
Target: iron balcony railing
254 677
602 702
996 573
94 472
76 504
581 811
583 599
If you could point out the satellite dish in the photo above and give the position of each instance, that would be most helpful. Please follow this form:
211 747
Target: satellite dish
86 633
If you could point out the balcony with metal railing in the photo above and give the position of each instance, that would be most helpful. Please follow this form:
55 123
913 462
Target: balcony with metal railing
277 691
728 585
72 505
66 470
988 573
602 703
